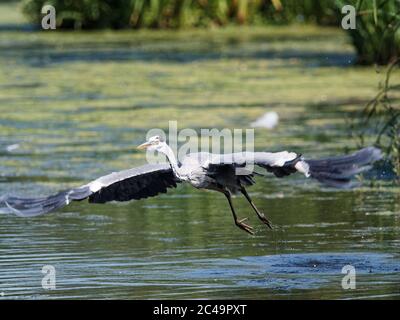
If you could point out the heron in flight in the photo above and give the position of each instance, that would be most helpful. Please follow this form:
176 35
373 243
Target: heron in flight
203 171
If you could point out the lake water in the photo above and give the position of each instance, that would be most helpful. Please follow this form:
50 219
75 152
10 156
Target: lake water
73 107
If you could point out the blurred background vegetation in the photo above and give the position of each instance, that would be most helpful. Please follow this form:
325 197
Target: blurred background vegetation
376 38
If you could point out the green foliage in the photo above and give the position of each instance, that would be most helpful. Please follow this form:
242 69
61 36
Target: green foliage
312 11
377 36
180 13
144 13
382 114
83 13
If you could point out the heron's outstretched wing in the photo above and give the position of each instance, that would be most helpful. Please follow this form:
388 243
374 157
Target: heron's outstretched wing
280 163
334 171
136 183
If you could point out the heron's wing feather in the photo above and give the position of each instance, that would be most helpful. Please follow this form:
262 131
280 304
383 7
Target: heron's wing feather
274 159
338 171
136 183
280 163
334 171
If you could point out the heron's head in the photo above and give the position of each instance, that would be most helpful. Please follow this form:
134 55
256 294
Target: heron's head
155 143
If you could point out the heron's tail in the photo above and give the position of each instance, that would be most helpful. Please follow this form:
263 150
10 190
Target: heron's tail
338 171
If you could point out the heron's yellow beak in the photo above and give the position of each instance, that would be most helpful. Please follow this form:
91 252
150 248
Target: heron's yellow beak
144 145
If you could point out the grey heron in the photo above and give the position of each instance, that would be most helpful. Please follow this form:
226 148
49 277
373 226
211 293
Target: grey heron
202 170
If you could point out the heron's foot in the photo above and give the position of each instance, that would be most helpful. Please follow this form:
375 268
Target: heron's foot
244 226
264 220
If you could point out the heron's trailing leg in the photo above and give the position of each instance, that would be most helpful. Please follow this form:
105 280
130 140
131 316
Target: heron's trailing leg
238 222
260 215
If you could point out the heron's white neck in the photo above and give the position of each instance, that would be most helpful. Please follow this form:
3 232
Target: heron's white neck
167 151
